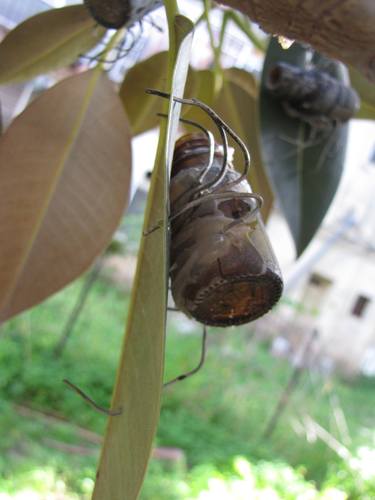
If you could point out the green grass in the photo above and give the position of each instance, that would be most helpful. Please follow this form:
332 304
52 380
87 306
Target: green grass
215 416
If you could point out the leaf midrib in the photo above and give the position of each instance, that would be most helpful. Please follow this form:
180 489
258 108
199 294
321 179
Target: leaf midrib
54 48
59 169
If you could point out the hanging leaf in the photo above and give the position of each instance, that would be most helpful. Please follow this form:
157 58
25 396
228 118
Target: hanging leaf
366 112
203 90
129 437
366 91
64 183
304 178
236 103
47 41
150 73
142 109
1 119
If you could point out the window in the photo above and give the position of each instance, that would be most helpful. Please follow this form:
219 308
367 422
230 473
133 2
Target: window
360 306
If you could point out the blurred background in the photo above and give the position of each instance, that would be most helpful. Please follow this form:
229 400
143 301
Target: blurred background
283 408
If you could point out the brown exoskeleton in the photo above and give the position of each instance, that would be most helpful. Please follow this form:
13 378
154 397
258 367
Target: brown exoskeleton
222 268
312 95
118 13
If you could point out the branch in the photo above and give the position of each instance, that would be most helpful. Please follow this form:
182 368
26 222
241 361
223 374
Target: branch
341 29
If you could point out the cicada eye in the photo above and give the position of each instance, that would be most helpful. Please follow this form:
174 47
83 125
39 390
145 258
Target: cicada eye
223 270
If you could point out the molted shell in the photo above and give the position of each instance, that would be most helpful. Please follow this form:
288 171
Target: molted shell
110 13
312 95
223 270
118 13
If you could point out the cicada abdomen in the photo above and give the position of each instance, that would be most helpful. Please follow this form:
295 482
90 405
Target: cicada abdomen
222 267
312 95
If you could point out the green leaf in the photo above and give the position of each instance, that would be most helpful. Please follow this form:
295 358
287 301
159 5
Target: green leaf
366 112
47 41
64 183
366 91
236 103
142 109
305 179
129 437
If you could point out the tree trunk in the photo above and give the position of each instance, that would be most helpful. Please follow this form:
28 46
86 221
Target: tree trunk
341 29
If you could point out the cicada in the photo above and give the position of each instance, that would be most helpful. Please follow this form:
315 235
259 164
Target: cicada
223 270
312 95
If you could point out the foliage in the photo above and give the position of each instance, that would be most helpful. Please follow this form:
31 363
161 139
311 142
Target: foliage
71 193
139 379
239 385
296 161
366 91
64 183
49 40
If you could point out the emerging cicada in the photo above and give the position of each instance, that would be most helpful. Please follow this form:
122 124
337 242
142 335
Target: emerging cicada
312 95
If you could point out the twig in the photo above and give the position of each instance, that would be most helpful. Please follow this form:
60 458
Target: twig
292 383
54 419
70 448
91 278
326 437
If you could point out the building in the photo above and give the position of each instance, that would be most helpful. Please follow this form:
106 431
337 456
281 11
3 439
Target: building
332 286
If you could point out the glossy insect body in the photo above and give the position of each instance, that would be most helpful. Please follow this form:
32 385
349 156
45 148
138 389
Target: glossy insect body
223 270
118 13
312 95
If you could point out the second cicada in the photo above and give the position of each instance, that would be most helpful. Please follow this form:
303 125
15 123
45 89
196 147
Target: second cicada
222 267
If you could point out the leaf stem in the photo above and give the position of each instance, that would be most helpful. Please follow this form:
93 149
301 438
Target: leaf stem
216 50
110 45
171 11
245 27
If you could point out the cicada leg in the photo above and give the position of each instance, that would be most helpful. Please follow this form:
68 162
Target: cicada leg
122 49
211 142
199 365
220 196
222 126
152 229
111 413
211 184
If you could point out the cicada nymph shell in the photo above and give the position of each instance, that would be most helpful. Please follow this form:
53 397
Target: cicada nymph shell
222 267
312 95
117 13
